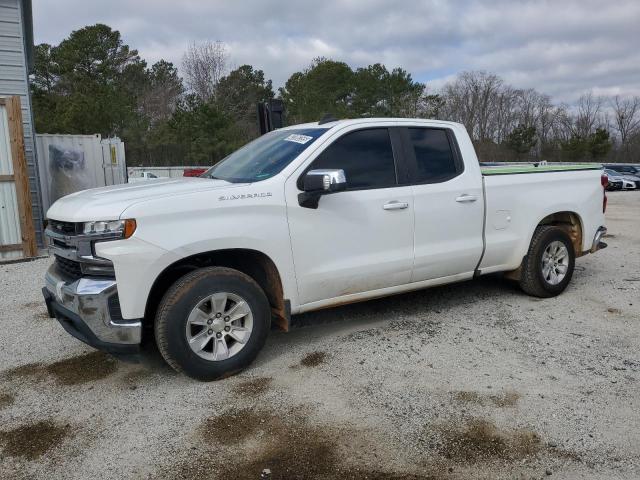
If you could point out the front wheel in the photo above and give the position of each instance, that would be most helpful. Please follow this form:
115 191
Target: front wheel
212 323
548 266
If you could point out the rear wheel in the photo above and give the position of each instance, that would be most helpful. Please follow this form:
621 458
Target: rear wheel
212 323
548 266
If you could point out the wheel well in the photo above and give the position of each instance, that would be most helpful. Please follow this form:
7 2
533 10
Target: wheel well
250 262
569 222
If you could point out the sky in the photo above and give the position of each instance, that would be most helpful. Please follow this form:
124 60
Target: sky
562 48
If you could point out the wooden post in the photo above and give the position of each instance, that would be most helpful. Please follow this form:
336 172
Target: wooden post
20 175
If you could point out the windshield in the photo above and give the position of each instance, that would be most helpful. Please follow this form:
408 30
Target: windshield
611 173
265 156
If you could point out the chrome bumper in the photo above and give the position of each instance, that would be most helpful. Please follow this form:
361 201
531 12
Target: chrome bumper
82 307
598 244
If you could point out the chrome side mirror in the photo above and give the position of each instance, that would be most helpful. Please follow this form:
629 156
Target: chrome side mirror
325 180
321 182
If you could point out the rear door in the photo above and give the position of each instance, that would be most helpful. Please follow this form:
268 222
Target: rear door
448 205
360 239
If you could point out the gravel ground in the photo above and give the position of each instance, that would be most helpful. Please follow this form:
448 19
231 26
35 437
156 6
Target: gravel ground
474 380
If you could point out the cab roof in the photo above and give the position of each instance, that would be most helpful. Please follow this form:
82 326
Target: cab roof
358 121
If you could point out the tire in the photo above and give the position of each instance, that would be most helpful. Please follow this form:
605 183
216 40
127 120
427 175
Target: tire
189 301
535 279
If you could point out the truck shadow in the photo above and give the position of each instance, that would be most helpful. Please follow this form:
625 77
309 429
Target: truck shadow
418 303
427 304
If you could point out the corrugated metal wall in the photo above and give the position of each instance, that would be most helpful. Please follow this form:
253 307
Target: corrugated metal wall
14 81
113 158
10 233
104 164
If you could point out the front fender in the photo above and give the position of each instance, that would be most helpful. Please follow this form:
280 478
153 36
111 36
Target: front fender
170 229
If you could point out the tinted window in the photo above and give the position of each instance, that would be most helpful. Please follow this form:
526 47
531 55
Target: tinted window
365 156
434 156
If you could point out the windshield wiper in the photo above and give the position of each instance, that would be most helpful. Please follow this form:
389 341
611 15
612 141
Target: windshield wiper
211 177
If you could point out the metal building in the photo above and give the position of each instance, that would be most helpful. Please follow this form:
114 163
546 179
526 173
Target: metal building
16 61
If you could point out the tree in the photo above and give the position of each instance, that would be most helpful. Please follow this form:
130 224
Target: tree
204 130
324 87
587 115
204 65
471 99
626 115
238 95
575 148
378 92
80 85
44 70
162 92
599 143
594 146
43 81
522 139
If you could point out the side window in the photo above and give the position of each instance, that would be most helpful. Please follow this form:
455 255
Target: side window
365 156
435 160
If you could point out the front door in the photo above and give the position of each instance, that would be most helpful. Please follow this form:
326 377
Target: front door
360 239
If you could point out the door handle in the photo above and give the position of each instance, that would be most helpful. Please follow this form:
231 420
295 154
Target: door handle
395 205
465 198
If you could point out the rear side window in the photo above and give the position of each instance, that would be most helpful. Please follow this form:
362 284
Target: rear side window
365 156
435 158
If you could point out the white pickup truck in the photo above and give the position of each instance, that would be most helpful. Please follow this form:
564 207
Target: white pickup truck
303 218
144 176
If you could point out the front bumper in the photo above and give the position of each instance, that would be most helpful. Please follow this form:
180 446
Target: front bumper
83 308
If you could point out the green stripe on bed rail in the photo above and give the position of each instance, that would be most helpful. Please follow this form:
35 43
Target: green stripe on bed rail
529 168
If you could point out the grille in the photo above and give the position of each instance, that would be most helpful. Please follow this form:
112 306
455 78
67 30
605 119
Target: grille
65 228
114 307
68 267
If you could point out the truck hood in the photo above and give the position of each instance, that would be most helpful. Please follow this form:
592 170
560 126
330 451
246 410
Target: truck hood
108 203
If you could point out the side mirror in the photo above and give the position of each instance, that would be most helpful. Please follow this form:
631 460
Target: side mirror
321 182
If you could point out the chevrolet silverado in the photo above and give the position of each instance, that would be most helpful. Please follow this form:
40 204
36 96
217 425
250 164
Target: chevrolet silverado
307 217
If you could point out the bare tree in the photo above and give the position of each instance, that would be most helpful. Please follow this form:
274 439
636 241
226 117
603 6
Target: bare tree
626 121
204 65
471 99
587 116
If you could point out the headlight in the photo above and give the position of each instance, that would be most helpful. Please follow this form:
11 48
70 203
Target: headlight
117 228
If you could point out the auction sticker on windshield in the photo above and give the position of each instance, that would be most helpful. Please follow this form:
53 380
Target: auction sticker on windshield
298 138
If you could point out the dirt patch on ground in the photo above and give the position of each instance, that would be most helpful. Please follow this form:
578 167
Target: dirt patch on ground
481 440
6 400
30 370
33 440
314 359
253 387
287 445
77 370
83 368
236 425
508 398
33 304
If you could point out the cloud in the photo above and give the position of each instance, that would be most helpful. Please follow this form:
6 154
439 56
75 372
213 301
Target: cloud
560 48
